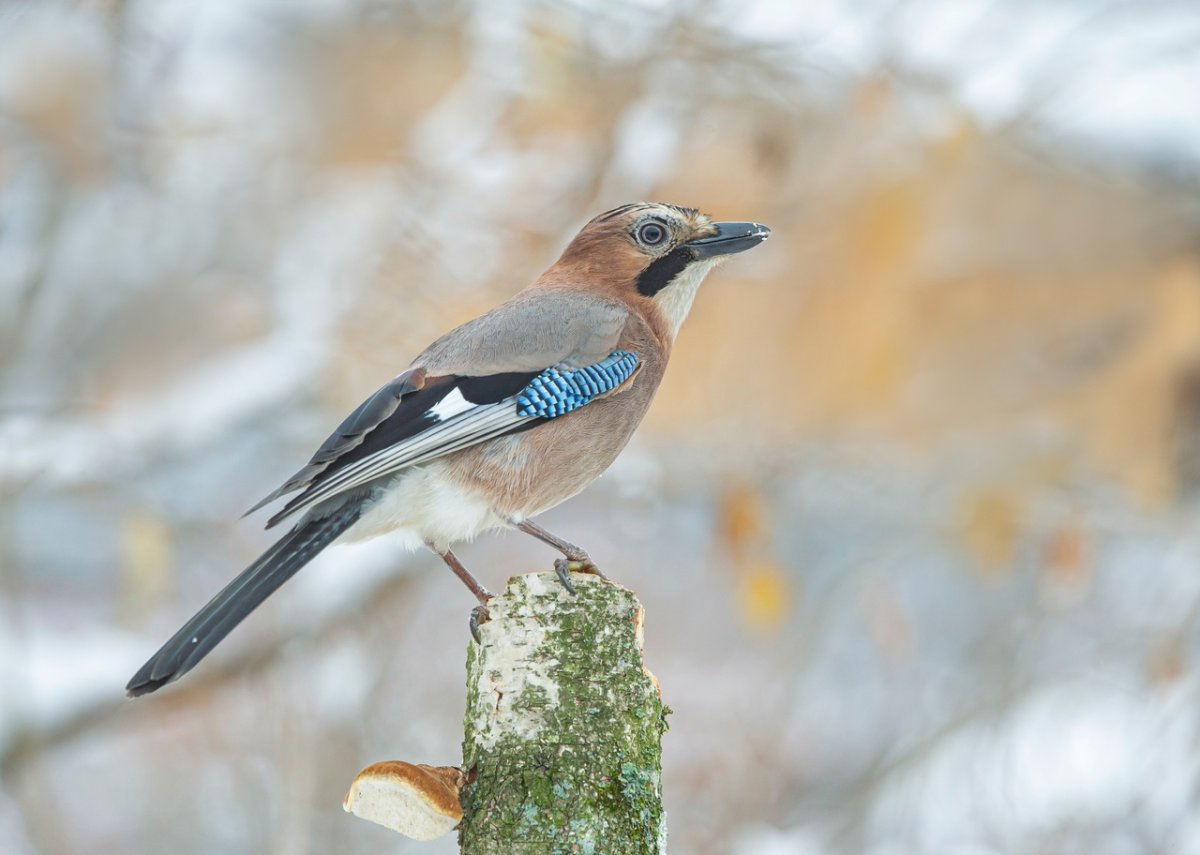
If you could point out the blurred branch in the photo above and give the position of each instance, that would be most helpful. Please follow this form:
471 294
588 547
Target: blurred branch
20 323
29 742
862 794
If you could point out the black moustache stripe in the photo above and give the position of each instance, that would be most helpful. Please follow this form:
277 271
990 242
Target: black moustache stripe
662 271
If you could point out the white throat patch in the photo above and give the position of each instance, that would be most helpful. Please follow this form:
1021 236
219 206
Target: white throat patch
675 301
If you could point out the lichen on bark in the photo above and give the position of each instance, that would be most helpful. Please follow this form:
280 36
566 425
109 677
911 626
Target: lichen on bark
563 727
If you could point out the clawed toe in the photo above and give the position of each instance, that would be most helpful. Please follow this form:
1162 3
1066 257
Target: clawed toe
564 567
479 616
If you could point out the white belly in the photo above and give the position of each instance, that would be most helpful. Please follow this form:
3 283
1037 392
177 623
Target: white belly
423 505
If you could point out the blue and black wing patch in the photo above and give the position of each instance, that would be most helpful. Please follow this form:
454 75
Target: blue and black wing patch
556 392
416 418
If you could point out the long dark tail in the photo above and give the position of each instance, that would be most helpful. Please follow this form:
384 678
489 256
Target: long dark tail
237 599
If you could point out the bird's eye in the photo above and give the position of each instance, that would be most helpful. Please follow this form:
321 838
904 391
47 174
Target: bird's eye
651 234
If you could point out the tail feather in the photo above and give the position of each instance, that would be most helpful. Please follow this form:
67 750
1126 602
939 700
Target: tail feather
196 638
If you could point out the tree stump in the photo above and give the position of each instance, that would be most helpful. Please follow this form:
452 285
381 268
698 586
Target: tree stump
562 745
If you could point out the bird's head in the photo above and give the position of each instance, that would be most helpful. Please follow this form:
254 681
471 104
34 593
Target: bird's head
655 252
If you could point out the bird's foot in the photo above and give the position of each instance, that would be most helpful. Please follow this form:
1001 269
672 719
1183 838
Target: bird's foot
564 567
479 616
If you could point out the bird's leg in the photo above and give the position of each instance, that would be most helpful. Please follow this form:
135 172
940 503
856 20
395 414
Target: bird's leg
479 614
573 553
577 559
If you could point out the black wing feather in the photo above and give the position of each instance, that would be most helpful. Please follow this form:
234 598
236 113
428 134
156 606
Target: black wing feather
411 416
352 431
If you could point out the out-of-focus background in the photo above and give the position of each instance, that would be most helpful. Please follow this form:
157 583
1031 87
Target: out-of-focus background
914 516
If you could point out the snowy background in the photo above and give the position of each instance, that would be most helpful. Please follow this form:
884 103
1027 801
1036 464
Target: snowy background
915 514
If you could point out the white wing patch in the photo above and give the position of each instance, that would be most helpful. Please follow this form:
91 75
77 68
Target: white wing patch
454 423
450 406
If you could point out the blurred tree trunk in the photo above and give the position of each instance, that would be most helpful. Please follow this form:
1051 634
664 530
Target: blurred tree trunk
564 725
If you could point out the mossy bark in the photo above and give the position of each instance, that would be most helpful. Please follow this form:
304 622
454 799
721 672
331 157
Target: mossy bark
564 725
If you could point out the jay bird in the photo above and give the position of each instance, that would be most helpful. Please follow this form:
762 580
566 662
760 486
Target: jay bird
495 422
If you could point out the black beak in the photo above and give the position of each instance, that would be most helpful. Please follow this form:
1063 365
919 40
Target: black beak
730 237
